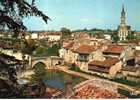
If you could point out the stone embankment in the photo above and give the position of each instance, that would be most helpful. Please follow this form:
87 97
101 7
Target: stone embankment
132 90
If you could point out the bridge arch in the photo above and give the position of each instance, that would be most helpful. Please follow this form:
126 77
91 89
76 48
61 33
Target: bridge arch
34 63
39 63
49 62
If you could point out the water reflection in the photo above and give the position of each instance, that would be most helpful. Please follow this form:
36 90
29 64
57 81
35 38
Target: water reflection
57 79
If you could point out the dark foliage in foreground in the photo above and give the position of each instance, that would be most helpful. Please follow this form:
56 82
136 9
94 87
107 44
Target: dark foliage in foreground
13 11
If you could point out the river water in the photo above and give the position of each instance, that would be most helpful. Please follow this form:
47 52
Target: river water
57 79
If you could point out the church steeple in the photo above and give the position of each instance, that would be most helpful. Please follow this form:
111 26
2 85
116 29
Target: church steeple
123 29
123 16
123 11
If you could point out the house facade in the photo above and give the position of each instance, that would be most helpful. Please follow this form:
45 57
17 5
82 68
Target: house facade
51 36
98 56
110 66
124 53
86 53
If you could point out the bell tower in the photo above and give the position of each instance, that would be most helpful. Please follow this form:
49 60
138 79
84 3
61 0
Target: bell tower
123 29
123 16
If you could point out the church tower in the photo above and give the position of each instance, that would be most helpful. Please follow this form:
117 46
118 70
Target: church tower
123 29
123 16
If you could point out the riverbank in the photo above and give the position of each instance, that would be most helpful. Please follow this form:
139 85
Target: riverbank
82 75
52 92
132 90
26 75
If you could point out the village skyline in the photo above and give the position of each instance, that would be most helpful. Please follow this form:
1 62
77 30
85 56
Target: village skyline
90 49
85 14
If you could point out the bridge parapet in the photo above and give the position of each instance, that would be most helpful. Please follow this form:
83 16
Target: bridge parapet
48 61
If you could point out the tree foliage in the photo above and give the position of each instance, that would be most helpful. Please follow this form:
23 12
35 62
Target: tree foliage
38 77
40 71
12 13
28 46
54 50
131 36
50 51
115 38
66 33
40 51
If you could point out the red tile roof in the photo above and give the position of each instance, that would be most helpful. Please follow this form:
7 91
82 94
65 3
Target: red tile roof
50 33
69 45
114 49
85 49
106 63
93 92
95 89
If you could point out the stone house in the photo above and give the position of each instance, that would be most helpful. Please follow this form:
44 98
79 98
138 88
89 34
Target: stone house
54 36
86 53
124 53
51 36
66 52
137 56
109 66
80 52
131 71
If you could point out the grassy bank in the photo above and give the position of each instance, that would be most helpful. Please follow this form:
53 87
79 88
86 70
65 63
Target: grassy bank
118 80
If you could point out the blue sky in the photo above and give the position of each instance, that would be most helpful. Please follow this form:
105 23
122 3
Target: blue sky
80 14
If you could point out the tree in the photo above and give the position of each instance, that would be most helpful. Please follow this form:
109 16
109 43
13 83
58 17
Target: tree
85 29
40 51
66 33
12 13
28 46
99 35
130 36
12 75
40 71
39 76
115 38
54 50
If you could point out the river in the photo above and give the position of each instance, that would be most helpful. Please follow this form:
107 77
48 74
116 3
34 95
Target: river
57 79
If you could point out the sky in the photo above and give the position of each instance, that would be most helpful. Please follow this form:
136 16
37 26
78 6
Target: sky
81 14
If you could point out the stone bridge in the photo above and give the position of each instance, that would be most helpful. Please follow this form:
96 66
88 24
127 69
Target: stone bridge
48 61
